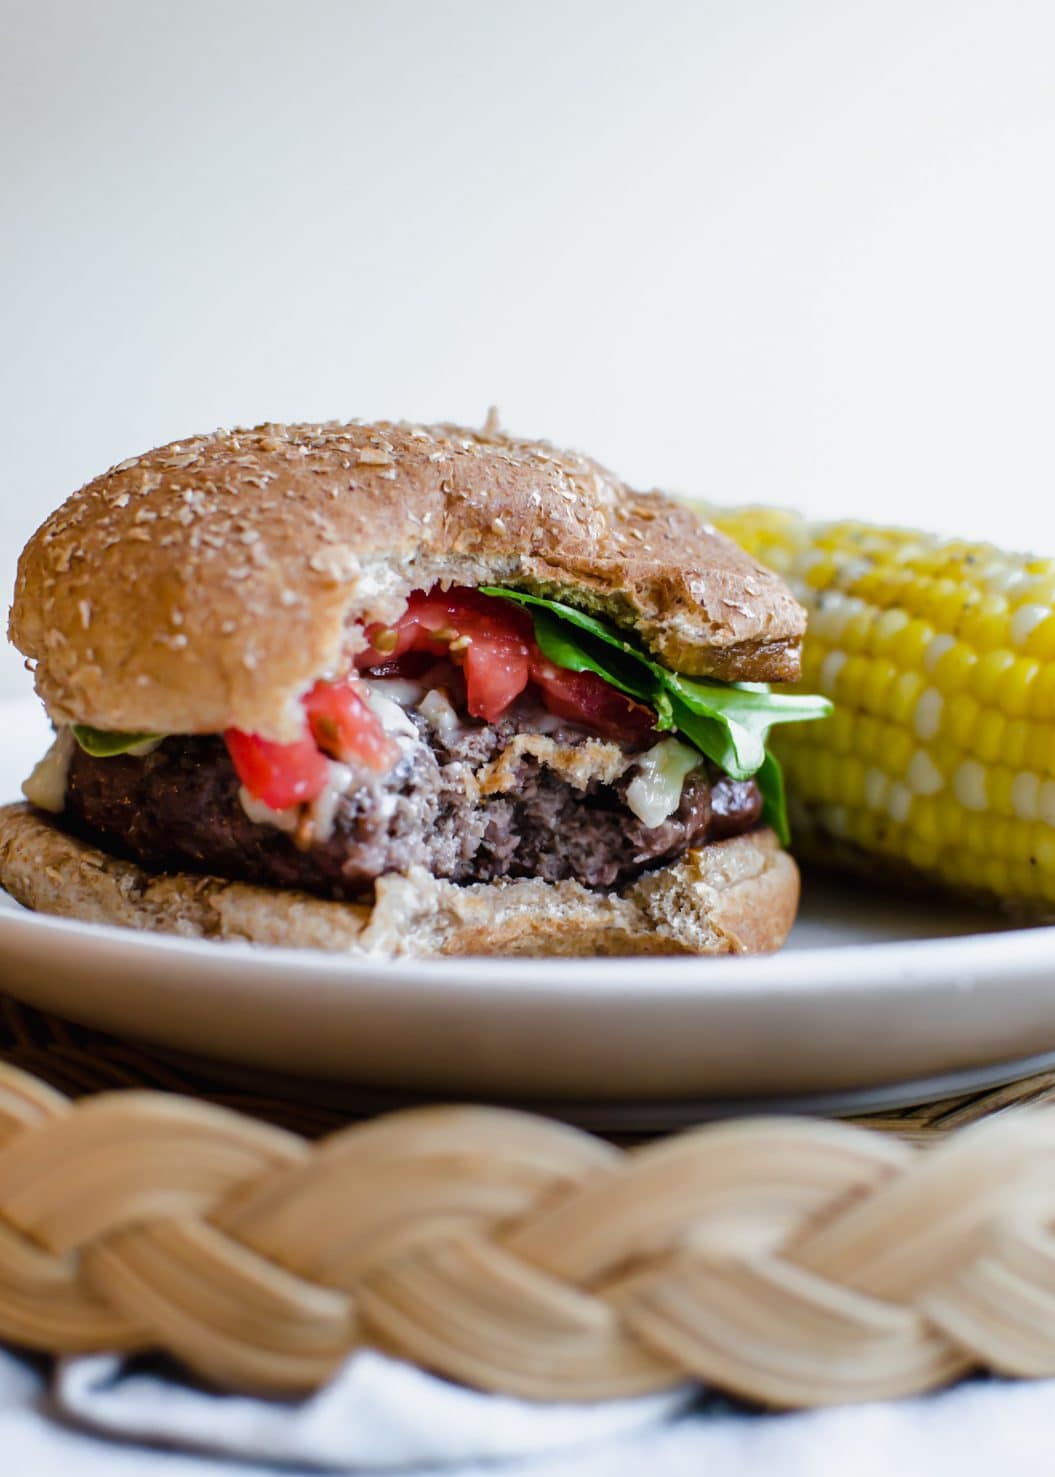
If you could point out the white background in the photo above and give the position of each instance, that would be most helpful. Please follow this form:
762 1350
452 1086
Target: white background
787 252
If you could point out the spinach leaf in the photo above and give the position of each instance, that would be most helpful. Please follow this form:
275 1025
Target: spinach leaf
101 744
770 780
580 653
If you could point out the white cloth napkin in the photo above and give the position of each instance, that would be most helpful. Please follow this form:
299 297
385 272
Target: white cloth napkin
376 1415
380 1415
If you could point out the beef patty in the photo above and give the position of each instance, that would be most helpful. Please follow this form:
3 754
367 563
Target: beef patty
179 809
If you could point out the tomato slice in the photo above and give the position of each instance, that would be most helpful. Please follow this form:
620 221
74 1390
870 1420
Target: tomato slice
344 726
496 673
490 639
494 643
339 724
279 775
586 698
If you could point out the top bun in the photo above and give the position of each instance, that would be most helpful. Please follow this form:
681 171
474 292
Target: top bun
208 583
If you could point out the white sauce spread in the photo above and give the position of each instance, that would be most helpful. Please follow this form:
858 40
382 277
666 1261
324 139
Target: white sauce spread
655 792
438 711
323 809
387 708
263 815
46 786
400 689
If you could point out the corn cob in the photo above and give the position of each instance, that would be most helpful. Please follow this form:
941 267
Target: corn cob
939 655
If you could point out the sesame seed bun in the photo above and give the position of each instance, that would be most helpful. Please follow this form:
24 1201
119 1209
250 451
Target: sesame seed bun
731 897
208 583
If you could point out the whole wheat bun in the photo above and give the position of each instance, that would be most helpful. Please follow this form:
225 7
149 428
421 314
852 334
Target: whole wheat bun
732 897
208 583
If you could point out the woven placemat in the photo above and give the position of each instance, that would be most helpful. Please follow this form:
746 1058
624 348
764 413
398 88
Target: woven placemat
790 1261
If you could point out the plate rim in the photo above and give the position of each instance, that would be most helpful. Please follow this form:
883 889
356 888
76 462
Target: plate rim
1024 947
836 1012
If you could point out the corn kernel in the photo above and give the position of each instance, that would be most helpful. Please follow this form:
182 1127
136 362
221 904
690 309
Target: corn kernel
928 824
953 671
903 698
1040 749
1040 642
1013 691
986 626
848 784
989 671
1000 782
921 854
1042 693
896 748
960 718
1016 738
879 678
987 740
910 643
821 575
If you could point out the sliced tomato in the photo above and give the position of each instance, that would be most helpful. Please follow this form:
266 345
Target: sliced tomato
586 698
490 639
496 673
493 642
343 726
426 625
340 724
279 775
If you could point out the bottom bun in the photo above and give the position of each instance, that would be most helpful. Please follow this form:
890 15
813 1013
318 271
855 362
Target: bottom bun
732 897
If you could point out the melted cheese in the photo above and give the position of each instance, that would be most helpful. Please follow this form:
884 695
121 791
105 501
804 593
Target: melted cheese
263 815
400 689
320 812
323 809
436 708
46 786
387 707
655 792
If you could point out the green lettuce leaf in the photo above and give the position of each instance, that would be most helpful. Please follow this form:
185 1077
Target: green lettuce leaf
101 744
728 722
580 652
770 781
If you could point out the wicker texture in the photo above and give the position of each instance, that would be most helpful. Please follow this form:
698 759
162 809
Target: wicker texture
791 1261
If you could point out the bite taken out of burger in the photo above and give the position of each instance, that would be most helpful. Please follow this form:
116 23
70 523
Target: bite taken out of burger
389 688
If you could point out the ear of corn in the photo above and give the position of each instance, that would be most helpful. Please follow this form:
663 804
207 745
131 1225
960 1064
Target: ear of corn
938 761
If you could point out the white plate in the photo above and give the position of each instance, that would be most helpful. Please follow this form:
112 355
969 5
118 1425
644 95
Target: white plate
875 1000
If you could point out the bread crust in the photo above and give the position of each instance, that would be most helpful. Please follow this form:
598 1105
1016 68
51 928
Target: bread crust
733 897
208 583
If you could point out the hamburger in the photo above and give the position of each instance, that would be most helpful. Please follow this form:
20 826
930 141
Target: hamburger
389 688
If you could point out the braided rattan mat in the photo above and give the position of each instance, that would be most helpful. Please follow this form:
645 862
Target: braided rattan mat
793 1261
